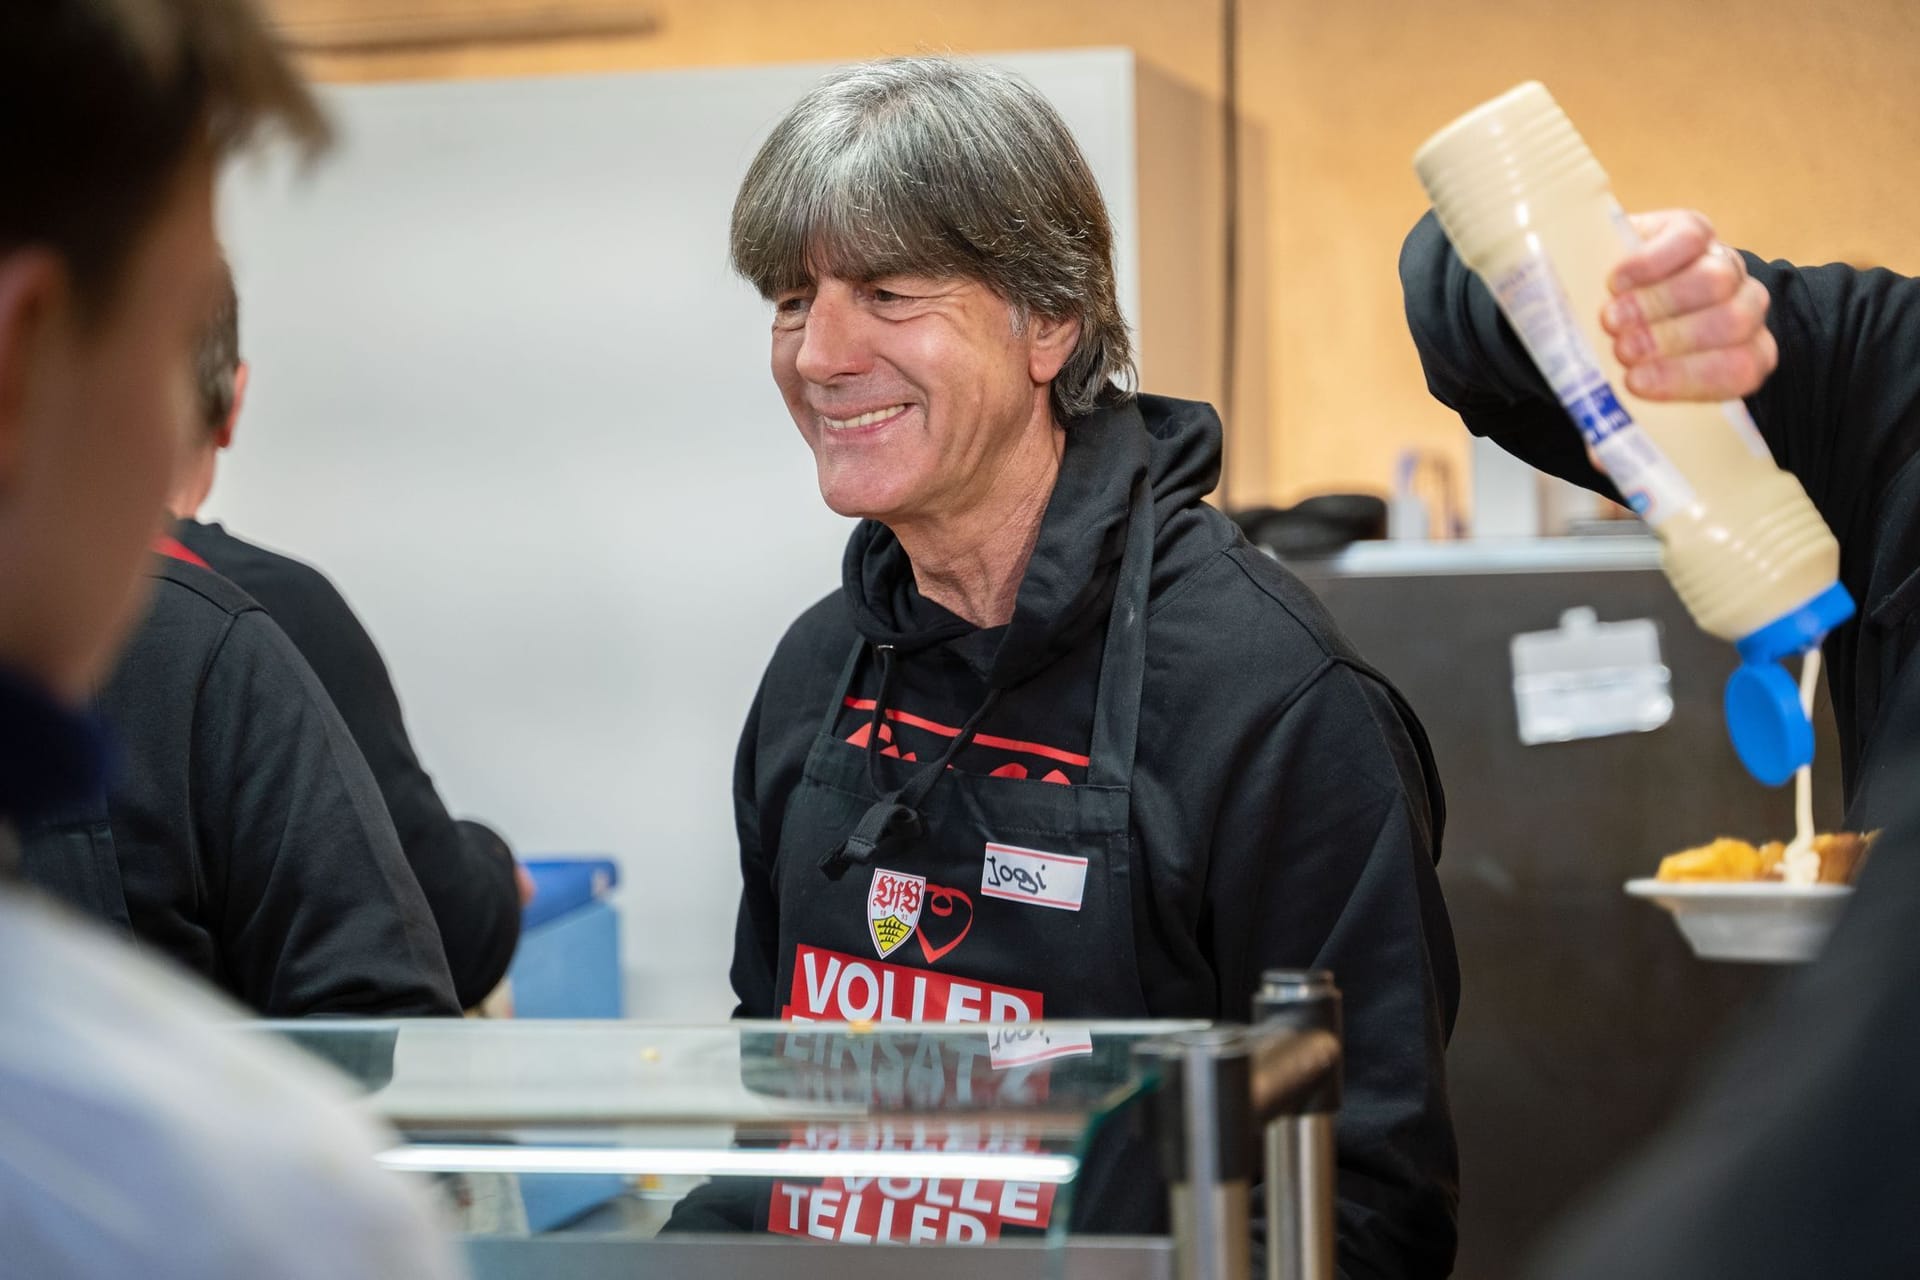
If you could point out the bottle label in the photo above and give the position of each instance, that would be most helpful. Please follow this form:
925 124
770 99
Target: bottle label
1536 305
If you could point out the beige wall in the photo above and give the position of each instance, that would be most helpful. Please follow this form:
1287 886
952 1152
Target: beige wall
1796 124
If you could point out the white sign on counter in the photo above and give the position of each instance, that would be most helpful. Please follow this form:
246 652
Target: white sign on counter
1590 679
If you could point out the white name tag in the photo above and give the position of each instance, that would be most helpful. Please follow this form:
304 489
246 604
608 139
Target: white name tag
1023 1044
1038 879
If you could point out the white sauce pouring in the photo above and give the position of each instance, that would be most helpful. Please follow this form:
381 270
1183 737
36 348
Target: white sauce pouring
1801 863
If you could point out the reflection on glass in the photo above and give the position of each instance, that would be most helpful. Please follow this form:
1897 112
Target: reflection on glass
854 1133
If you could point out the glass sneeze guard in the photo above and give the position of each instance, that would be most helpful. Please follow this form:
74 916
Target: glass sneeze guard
852 1132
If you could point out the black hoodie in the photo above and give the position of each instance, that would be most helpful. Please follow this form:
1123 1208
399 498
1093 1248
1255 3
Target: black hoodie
464 868
1285 810
244 836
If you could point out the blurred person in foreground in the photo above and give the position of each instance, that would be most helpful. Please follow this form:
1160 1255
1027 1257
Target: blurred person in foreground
1796 1156
137 1136
465 869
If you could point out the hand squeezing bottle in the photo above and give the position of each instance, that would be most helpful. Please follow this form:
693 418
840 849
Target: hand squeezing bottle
1531 212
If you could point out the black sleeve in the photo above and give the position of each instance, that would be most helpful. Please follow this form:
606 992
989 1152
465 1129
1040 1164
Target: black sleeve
1796 1159
1342 816
1842 412
320 911
756 931
465 869
1839 412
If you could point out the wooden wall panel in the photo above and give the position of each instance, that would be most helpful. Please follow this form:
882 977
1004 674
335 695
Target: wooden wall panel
1792 122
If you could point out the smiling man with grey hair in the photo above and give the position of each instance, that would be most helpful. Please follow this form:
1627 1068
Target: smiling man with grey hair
1063 745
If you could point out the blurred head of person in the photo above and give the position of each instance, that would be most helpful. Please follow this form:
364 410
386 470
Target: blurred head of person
940 264
114 115
219 389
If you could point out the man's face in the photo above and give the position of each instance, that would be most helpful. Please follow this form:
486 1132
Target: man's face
912 392
107 409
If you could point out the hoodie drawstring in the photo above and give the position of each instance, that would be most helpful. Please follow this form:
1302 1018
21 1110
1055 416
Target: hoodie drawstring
885 653
895 816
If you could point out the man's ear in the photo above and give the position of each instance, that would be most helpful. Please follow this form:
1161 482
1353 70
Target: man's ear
1050 341
223 438
31 281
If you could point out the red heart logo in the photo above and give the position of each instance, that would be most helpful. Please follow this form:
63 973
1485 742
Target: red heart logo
944 903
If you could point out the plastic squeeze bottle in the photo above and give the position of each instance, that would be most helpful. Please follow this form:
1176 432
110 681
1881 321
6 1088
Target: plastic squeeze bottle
1530 211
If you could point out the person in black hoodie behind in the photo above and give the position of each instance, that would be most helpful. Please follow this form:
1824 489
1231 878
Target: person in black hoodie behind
466 870
1794 1159
1063 745
244 835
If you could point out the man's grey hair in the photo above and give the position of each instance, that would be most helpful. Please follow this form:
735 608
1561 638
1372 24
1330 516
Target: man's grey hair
938 166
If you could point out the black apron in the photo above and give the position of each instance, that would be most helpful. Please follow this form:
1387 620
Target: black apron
964 924
971 941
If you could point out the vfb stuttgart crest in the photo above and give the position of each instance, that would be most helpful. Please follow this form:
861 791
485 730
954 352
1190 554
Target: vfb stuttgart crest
893 909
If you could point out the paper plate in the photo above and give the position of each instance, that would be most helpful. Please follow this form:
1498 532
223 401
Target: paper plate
1759 921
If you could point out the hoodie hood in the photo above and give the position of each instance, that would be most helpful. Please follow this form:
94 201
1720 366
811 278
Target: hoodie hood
1068 585
1064 596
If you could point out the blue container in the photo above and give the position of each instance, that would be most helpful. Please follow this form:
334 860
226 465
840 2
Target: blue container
568 966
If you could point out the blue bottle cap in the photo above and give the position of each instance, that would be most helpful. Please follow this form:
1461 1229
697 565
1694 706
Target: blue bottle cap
1798 630
1770 732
